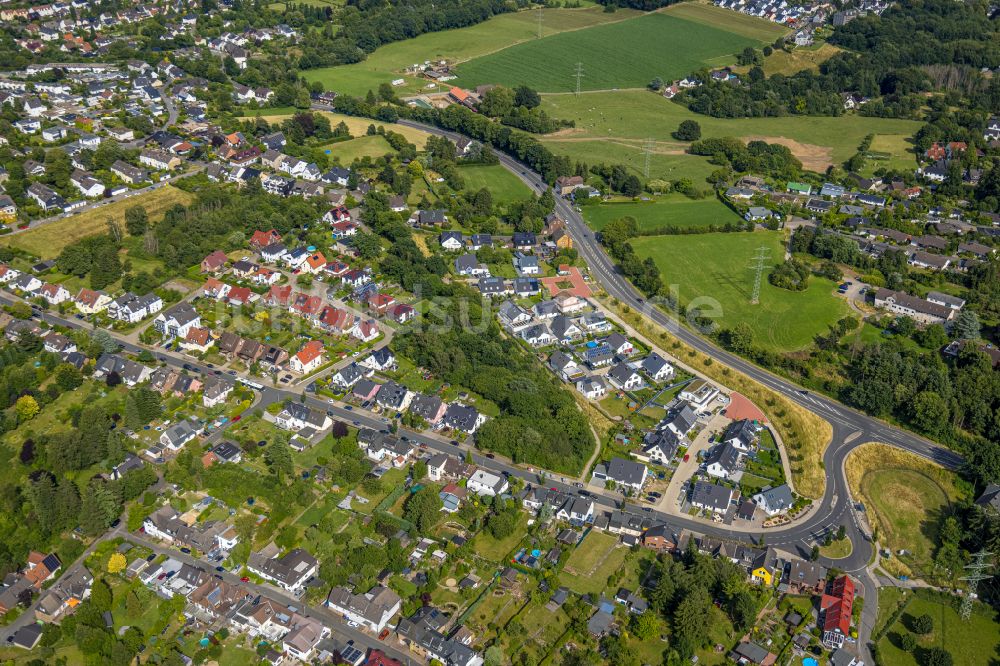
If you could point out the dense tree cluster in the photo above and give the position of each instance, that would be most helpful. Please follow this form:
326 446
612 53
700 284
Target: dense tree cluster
791 274
770 159
911 48
361 26
538 422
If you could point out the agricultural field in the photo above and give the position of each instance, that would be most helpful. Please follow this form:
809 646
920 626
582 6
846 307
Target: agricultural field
503 184
626 54
906 496
674 210
724 19
970 642
48 240
389 62
626 119
716 266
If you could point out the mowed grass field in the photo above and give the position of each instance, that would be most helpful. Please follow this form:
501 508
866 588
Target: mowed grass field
502 184
905 496
625 119
48 240
627 54
971 642
669 210
363 146
390 61
594 560
715 269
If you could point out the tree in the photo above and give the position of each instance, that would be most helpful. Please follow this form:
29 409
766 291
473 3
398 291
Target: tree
907 642
688 130
100 595
645 625
116 563
923 624
936 656
497 102
136 220
493 656
27 452
930 412
104 341
279 458
423 509
966 325
526 97
98 509
26 408
68 377
655 84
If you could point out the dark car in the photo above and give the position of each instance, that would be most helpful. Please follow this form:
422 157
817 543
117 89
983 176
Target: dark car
152 556
116 522
490 456
186 551
220 569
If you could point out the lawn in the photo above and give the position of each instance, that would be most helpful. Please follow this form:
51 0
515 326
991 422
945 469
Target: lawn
715 270
970 642
626 119
494 550
594 560
626 54
672 210
48 240
364 146
390 61
906 497
503 184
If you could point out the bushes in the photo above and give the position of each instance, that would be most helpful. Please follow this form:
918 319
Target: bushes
792 275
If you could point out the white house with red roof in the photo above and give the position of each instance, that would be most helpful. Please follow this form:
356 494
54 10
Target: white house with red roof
314 263
54 294
89 301
366 330
262 239
308 358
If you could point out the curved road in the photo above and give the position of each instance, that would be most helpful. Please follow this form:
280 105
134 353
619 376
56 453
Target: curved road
850 427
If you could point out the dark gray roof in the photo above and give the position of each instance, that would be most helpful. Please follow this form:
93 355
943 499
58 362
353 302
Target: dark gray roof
710 495
626 471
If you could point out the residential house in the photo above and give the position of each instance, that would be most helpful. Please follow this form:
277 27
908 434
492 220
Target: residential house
179 434
623 377
372 610
743 434
308 359
89 301
486 483
297 416
710 497
723 461
657 368
624 473
699 393
463 418
428 407
177 321
775 500
920 310
836 609
289 571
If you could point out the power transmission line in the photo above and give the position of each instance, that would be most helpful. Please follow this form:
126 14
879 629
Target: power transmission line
977 574
757 264
647 151
578 75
